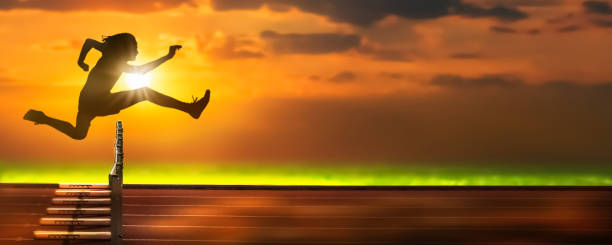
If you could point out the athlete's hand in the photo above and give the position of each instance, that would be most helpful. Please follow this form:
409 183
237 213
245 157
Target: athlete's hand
173 50
84 66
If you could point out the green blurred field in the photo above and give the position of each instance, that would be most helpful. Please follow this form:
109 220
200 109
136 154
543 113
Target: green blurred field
312 174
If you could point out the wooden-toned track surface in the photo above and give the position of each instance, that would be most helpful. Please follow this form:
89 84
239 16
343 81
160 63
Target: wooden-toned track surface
335 215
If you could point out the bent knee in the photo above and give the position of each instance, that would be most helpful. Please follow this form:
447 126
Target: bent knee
79 134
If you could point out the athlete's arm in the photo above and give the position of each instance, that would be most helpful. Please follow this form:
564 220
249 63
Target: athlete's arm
87 45
142 69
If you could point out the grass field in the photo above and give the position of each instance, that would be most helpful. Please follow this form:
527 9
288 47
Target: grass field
312 174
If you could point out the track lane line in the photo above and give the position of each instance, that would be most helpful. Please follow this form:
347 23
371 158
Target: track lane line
356 198
257 242
323 206
325 216
362 217
351 228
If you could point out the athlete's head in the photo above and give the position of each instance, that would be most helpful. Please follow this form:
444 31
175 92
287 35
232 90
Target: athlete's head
122 45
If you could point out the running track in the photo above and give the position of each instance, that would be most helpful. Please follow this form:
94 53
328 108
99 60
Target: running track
164 215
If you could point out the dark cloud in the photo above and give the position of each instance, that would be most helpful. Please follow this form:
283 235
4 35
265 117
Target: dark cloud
366 12
597 7
309 43
385 54
345 76
528 123
570 28
139 6
466 55
502 29
230 48
237 54
502 13
317 43
493 80
601 8
603 23
527 3
570 86
223 5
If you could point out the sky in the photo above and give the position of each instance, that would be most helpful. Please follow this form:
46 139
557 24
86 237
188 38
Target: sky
337 80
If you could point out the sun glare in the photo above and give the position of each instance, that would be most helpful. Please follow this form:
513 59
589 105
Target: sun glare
138 80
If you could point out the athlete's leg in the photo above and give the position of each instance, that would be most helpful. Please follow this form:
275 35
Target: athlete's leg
78 132
125 99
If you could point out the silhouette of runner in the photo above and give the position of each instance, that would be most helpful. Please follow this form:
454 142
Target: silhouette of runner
96 99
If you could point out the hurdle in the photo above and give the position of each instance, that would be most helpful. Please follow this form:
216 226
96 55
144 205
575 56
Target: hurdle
115 180
89 211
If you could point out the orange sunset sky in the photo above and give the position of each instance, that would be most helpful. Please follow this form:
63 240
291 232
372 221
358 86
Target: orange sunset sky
322 80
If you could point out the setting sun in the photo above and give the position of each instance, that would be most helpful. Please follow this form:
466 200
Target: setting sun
138 80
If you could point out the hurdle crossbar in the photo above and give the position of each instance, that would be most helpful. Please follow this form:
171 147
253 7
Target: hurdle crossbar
115 182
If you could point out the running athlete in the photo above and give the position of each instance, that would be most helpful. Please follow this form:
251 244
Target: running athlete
96 100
